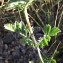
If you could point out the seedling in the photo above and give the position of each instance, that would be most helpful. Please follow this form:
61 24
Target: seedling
23 30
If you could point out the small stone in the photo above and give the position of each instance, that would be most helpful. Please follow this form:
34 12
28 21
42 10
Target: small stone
1 46
6 61
1 59
6 46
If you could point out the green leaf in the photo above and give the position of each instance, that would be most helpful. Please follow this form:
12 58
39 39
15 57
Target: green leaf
54 31
20 24
42 45
27 29
16 4
48 37
53 61
40 42
45 42
23 28
9 27
20 27
47 29
28 41
24 40
17 26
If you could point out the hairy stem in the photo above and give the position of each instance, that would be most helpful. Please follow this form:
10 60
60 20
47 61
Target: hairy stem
30 28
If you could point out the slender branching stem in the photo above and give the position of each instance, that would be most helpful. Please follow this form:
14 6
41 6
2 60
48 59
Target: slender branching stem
36 12
30 28
57 15
60 19
20 14
55 50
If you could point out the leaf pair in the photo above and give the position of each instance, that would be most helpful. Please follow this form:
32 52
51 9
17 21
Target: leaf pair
16 4
50 31
44 41
16 27
28 41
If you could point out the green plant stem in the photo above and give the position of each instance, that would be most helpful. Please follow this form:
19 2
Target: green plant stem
57 14
38 49
60 19
30 28
55 50
36 12
35 21
51 46
19 14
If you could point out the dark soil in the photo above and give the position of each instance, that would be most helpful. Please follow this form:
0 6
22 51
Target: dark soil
12 51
